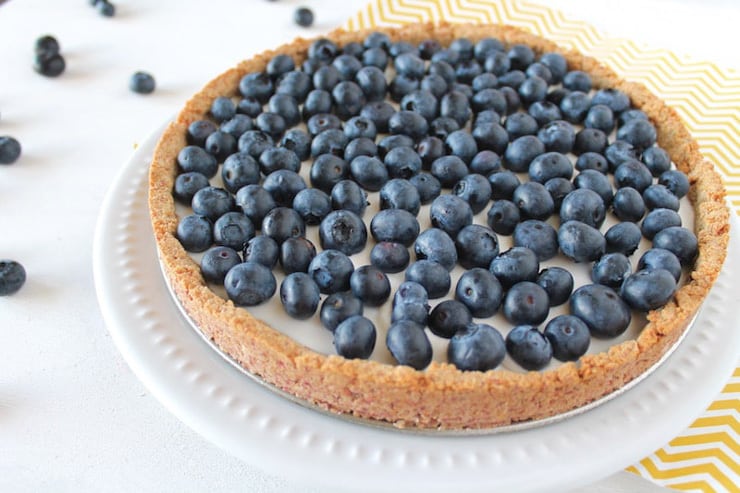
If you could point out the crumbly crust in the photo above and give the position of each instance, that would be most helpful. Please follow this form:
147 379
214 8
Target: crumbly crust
440 396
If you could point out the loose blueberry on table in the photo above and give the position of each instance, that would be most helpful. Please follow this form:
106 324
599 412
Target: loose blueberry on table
493 163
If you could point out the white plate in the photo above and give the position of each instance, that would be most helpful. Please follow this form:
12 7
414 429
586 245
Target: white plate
289 440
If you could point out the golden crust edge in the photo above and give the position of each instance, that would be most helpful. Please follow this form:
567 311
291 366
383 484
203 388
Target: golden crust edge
440 396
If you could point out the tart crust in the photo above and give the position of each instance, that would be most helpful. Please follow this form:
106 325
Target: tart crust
439 397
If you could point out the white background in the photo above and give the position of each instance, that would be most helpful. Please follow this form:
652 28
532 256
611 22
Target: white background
72 415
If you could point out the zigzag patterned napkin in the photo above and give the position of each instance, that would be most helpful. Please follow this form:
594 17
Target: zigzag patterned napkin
706 456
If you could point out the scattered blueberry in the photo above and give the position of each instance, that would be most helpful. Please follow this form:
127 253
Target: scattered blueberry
354 338
389 256
299 295
660 258
611 270
12 277
338 307
528 347
448 317
647 290
370 284
480 292
343 230
331 270
526 303
436 245
250 284
262 250
601 309
409 344
557 283
476 347
569 337
296 254
432 276
581 242
142 83
680 241
10 149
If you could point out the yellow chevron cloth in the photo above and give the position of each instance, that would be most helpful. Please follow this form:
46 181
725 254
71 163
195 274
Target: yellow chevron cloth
706 456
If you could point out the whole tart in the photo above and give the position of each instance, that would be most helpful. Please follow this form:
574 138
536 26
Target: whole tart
439 396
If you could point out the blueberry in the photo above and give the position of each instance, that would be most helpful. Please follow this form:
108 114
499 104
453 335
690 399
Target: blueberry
249 106
638 132
569 337
400 194
487 47
256 85
449 170
296 84
255 203
361 146
528 347
254 142
432 276
318 102
657 220
581 242
601 309
375 57
401 85
282 223
491 136
347 66
448 317
190 158
236 126
275 158
623 238
436 245
538 236
476 347
521 152
443 126
105 8
503 185
250 284
476 246
283 185
410 303
46 45
485 163
327 170
658 196
515 265
503 217
331 270
355 337
619 152
421 101
532 89
296 254
680 241
461 144
557 283
429 149
343 230
660 258
199 130
222 109
49 64
221 144
489 99
216 262
323 49
631 114
675 181
359 126
262 250
142 83
592 160
409 344
377 39
520 56
284 106
279 65
370 284
575 106
233 230
348 195
533 200
590 140
323 121
558 188
526 303
348 99
10 149
442 69
544 113
12 277
212 202
597 182
550 165
577 80
558 136
395 225
657 160
600 117
611 270
497 63
273 124
389 256
615 99
585 206
392 141
408 123
647 290
480 292
450 213
338 307
540 70
239 170
628 205
402 162
520 124
298 141
475 189
427 185
186 184
331 141
299 295
455 105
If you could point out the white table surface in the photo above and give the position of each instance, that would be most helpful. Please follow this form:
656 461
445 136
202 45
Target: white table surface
73 417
